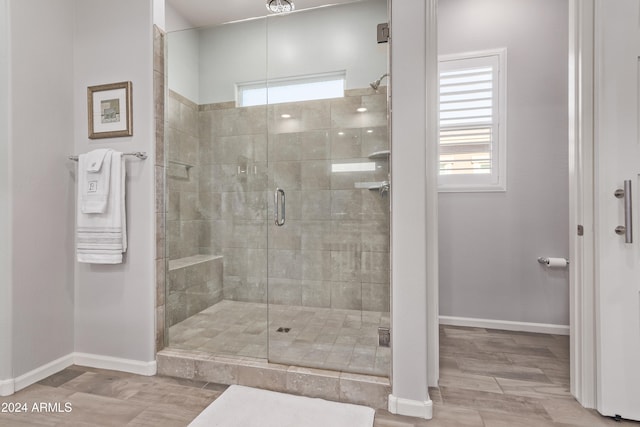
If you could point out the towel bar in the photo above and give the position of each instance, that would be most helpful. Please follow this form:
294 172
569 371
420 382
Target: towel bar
142 155
543 260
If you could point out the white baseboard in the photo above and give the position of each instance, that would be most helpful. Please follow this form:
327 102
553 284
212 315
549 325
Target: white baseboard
411 408
10 386
507 325
7 387
43 372
115 364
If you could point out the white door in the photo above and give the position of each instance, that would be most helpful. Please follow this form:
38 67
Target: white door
617 93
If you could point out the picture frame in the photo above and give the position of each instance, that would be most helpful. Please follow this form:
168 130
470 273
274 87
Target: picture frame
110 110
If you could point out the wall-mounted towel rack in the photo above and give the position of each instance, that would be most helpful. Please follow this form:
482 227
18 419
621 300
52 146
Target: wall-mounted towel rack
142 155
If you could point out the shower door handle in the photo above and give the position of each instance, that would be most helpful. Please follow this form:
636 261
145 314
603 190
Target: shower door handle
627 228
279 206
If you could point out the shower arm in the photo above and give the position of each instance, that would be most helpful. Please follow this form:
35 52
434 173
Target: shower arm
376 84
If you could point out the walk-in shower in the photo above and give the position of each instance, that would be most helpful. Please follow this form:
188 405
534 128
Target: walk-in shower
277 178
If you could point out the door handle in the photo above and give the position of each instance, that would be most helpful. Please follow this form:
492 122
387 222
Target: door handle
279 205
627 228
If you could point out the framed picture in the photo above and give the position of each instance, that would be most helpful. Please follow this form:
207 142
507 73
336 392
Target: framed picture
110 110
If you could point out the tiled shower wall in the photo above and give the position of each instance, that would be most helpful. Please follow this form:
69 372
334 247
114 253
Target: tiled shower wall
194 279
184 221
159 85
333 250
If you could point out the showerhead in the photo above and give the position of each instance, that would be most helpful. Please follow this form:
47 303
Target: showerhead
375 85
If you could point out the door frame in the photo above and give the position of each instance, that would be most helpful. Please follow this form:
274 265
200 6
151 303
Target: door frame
581 207
582 201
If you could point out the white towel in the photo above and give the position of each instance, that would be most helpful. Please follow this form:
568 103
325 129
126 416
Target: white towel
95 159
94 176
102 237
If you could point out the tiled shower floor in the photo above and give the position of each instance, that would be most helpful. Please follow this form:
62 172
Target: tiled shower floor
336 339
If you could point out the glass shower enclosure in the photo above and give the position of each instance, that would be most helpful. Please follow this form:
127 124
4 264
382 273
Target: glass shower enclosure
278 189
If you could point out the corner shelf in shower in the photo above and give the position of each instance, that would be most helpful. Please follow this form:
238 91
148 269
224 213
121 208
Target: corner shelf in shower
187 166
383 154
371 185
175 264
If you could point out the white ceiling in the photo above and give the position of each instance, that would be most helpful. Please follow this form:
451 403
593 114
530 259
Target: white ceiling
202 13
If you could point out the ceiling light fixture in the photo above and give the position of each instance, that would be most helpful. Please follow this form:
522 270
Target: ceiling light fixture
361 109
280 6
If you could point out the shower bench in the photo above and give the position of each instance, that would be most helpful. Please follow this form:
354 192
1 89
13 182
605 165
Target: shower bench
193 284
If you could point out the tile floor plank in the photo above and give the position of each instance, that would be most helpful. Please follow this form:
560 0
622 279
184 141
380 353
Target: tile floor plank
501 386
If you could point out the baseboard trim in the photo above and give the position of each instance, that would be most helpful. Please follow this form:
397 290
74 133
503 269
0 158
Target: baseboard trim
411 408
7 387
10 386
43 372
507 325
115 364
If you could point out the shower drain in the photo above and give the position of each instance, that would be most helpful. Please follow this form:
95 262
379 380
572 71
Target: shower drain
284 330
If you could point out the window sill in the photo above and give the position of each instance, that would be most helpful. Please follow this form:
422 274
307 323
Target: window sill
473 189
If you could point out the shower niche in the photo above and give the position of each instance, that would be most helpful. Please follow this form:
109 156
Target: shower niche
300 276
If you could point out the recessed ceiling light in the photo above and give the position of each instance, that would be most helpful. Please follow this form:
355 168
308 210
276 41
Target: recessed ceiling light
369 130
340 133
286 116
280 6
361 109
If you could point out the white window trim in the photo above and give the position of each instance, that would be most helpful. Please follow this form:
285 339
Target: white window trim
501 184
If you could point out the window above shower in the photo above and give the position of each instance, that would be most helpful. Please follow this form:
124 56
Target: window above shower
293 89
472 146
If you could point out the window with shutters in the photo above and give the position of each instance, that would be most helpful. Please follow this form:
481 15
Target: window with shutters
472 148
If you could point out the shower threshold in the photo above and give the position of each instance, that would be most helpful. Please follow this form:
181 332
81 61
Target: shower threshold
338 386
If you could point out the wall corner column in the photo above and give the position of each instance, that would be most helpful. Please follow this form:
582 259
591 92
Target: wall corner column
414 206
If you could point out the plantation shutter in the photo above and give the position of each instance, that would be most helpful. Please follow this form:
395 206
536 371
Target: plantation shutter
469 120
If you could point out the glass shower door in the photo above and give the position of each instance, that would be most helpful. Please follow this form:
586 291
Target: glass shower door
287 112
328 162
216 174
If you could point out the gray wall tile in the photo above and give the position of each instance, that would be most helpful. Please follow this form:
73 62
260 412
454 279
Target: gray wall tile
334 248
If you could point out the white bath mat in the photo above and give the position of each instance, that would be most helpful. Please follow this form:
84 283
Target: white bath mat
241 406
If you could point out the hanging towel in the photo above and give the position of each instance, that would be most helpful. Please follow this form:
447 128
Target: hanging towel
102 237
95 159
94 176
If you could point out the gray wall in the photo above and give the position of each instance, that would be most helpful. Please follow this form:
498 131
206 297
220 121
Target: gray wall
104 310
326 39
489 242
114 307
183 68
5 194
42 194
